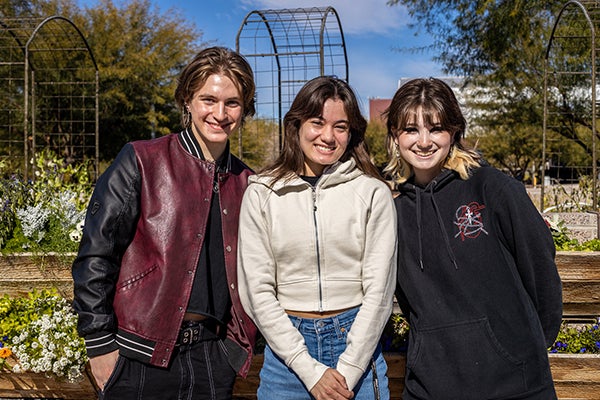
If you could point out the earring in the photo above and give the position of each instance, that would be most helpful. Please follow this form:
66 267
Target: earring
187 117
396 150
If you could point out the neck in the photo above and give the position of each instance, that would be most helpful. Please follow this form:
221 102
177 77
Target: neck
210 151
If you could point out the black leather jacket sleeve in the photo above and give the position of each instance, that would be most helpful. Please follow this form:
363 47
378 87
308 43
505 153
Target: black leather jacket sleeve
110 225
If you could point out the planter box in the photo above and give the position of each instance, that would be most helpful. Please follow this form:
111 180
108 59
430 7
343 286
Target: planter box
29 385
21 273
580 275
576 376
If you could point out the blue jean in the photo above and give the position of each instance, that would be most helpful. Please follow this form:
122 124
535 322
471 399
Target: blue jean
326 341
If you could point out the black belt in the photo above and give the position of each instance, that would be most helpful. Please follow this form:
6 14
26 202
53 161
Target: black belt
192 332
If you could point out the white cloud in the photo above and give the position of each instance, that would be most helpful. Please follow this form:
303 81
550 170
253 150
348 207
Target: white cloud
357 16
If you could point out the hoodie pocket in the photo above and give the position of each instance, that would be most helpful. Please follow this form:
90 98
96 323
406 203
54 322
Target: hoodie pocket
462 361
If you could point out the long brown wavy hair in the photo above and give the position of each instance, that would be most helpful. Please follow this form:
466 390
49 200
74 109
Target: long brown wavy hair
307 104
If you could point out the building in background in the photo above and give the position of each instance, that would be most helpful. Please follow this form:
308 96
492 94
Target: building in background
377 106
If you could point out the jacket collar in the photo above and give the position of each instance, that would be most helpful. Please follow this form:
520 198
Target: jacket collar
191 145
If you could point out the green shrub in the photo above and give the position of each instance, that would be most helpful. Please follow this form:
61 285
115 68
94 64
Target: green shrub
577 339
46 214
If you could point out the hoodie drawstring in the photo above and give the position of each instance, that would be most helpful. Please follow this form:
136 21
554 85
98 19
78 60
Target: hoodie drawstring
418 193
441 223
419 228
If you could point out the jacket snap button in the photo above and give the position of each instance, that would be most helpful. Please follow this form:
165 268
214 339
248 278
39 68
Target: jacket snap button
228 248
225 211
233 286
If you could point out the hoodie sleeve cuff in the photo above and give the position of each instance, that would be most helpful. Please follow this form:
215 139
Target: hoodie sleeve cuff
350 372
308 369
100 343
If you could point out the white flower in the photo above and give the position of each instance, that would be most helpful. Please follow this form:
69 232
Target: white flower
50 343
33 221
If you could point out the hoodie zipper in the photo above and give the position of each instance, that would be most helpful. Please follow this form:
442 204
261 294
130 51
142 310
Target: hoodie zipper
314 198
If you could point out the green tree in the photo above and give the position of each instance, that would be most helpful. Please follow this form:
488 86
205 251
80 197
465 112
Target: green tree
139 53
375 138
259 142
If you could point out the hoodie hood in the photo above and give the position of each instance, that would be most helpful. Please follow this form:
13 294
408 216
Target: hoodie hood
418 194
335 174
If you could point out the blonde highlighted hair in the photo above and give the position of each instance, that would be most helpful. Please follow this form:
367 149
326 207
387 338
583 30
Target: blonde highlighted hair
436 100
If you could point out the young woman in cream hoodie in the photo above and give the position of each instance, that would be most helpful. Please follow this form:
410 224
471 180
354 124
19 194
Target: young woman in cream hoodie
317 254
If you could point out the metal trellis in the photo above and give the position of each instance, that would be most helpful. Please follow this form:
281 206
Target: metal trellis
286 48
570 92
49 79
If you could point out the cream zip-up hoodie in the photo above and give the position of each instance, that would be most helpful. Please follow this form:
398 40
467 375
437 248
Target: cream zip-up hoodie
318 249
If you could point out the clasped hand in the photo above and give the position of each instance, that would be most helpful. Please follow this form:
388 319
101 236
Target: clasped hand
332 385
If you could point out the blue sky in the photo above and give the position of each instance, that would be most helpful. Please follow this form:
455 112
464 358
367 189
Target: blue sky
371 31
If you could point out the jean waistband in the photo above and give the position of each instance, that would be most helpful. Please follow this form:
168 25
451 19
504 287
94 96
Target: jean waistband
319 324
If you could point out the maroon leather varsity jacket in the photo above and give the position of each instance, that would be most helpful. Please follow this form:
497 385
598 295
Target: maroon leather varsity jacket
144 229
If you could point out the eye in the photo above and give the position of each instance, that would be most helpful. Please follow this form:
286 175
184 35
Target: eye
316 122
207 100
409 130
342 128
233 104
437 129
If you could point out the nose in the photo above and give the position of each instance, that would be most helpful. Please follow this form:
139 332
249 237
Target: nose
424 139
327 133
220 111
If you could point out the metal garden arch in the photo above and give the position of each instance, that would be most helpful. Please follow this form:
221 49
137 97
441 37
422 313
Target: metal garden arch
49 80
286 48
570 88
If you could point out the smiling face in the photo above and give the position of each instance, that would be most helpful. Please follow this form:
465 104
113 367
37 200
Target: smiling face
324 139
424 146
217 110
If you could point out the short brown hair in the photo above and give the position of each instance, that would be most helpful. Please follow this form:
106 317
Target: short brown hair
211 61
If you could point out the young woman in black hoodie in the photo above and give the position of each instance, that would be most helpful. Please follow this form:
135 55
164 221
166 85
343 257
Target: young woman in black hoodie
477 278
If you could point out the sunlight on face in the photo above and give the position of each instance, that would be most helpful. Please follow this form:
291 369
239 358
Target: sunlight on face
324 139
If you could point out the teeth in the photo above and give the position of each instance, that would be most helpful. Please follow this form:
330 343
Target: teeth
424 154
323 148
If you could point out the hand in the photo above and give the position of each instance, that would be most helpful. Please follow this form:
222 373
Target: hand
332 385
103 366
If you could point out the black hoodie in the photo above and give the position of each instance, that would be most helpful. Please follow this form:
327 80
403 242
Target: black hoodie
478 282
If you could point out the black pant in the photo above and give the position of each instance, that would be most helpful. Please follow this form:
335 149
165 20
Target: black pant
197 371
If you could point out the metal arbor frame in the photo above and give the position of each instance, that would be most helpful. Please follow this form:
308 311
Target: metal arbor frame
570 82
287 48
49 80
